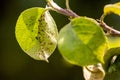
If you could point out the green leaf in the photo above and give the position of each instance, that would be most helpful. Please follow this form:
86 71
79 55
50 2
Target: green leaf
82 42
112 8
36 33
114 50
109 59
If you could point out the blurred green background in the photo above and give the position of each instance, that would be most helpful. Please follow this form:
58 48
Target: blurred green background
16 65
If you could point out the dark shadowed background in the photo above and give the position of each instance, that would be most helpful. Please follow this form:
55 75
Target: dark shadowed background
16 65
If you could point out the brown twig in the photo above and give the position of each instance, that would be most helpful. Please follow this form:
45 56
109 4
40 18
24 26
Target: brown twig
109 29
60 10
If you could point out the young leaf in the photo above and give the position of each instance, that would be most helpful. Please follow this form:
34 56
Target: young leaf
82 42
36 33
112 8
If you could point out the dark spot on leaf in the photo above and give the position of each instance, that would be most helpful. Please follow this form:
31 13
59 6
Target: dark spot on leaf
42 30
36 38
39 20
50 43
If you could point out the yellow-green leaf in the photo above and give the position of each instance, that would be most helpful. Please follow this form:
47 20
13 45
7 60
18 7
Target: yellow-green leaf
82 42
113 41
36 33
112 8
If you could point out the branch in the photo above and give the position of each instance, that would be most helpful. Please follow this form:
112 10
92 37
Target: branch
71 14
60 10
109 29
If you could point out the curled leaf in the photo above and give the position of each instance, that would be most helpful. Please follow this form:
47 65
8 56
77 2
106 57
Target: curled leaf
93 72
111 8
36 33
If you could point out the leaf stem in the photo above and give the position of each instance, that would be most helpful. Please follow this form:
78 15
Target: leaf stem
67 5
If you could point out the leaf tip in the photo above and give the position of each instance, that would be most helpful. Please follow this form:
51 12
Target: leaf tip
44 57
